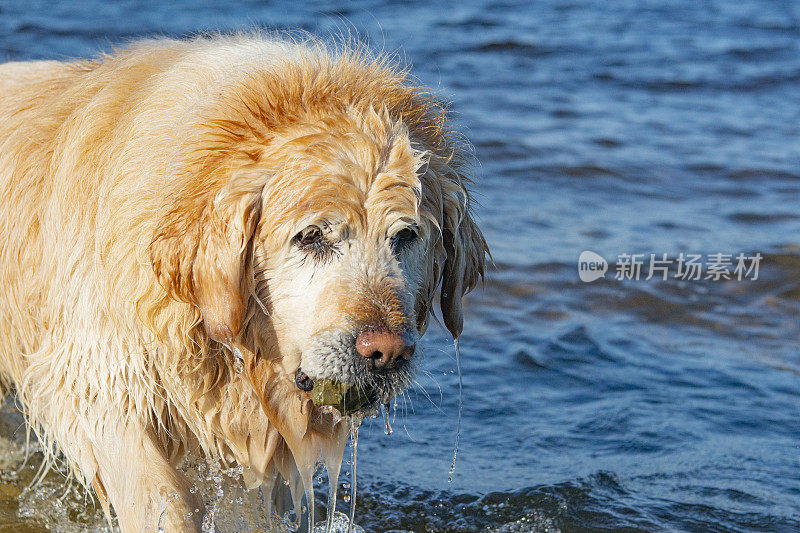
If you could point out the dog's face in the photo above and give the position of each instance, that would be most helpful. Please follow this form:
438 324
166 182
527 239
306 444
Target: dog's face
323 244
343 253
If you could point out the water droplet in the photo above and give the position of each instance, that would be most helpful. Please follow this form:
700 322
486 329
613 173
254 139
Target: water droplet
238 361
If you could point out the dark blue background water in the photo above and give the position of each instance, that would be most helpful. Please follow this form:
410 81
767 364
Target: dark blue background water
650 127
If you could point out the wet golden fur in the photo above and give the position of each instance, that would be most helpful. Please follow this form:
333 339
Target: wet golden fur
147 201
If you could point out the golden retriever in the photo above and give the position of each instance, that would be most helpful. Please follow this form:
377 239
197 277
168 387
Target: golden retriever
195 231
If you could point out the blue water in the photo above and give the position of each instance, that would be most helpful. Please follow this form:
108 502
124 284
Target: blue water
659 126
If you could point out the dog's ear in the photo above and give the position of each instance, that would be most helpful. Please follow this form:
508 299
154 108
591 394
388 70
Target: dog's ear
201 255
465 250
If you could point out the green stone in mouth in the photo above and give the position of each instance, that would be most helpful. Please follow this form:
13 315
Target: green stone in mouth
347 399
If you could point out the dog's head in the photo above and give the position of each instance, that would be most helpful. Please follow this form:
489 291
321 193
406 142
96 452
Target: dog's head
332 207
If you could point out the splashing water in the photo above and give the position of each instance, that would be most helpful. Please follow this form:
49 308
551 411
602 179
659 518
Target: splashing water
217 480
228 504
339 523
279 504
460 405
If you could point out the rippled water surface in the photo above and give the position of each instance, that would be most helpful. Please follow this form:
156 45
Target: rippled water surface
618 127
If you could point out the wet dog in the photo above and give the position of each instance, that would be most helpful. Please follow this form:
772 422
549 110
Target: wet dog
196 232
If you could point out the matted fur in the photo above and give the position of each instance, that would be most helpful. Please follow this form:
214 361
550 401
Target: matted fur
149 199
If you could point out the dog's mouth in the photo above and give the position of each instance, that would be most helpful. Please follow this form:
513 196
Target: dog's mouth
328 393
333 373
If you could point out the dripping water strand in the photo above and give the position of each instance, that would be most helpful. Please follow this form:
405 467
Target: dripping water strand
387 428
310 503
333 486
460 405
354 439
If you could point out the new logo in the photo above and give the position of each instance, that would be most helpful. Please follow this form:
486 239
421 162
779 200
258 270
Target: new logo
591 266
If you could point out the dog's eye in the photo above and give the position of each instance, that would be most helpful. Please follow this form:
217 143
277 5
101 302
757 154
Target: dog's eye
403 238
312 241
309 237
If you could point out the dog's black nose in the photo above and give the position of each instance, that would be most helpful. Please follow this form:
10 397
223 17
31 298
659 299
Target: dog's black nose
383 347
302 381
